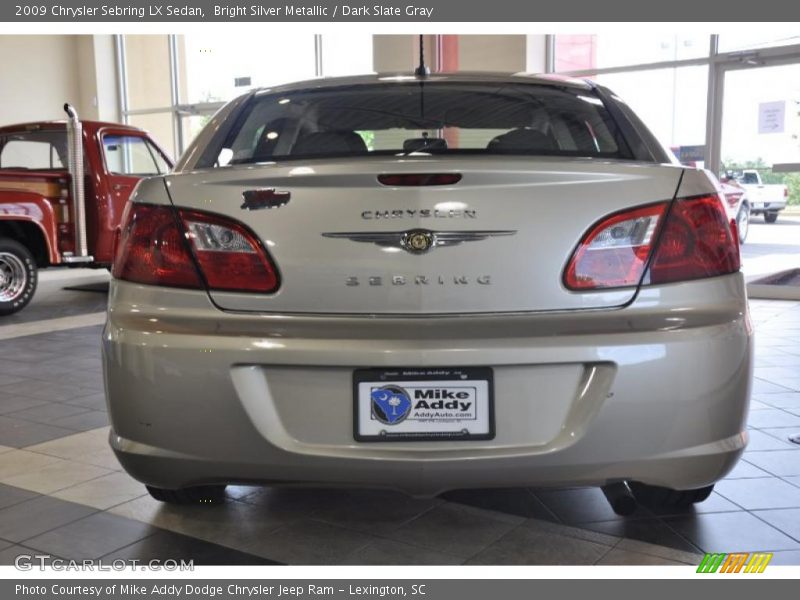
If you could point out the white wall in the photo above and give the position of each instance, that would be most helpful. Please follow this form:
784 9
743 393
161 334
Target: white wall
39 73
502 53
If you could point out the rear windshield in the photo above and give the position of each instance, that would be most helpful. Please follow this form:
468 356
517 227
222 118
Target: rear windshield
423 118
35 150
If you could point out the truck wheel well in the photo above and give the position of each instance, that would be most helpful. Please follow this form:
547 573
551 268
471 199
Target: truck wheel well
30 236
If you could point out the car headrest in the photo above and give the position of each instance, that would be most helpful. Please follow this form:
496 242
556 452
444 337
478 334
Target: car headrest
330 142
424 144
522 140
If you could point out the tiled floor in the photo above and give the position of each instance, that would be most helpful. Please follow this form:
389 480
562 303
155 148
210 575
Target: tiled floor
63 493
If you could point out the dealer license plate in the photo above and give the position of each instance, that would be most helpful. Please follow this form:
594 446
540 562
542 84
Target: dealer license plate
423 404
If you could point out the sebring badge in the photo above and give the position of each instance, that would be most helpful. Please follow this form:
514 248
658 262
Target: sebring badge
417 241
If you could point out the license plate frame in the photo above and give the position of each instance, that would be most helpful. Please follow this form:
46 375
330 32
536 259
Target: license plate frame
482 379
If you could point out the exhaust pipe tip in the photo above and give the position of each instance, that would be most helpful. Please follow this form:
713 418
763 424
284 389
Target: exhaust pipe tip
620 498
70 110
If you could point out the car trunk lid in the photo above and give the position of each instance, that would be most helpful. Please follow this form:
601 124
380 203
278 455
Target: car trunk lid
506 230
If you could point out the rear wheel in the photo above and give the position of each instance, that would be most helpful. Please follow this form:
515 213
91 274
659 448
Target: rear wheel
17 276
771 216
743 222
201 494
654 496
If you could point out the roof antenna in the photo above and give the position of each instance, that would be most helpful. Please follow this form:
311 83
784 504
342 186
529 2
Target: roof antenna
422 70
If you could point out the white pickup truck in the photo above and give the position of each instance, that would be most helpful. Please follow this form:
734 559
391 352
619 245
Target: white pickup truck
766 199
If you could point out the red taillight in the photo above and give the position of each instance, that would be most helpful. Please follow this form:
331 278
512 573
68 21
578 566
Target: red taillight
614 252
230 257
152 249
159 247
696 242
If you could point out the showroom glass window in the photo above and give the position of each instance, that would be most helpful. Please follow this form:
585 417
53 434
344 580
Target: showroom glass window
584 52
131 155
219 67
671 102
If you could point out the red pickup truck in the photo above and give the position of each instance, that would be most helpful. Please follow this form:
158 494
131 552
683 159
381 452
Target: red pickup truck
48 215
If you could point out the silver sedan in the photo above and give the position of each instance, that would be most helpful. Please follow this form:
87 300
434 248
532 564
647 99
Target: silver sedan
428 283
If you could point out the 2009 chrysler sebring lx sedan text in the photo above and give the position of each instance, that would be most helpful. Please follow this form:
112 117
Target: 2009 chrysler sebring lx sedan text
425 284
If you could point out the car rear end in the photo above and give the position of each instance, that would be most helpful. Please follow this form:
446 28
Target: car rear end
499 283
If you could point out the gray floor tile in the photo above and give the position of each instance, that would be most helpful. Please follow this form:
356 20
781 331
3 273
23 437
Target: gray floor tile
10 495
291 503
47 413
782 434
754 494
514 501
745 470
376 512
34 517
791 383
309 542
692 558
18 433
455 529
714 503
580 532
6 379
9 554
775 373
526 546
10 404
45 390
774 417
786 558
731 532
789 400
777 462
390 552
760 440
583 505
786 520
83 421
168 545
626 557
94 401
765 387
91 537
652 531
758 405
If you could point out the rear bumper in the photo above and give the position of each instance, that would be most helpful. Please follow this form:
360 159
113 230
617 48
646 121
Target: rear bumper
655 392
760 207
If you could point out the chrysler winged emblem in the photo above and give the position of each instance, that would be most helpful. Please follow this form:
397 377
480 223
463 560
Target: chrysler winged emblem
417 241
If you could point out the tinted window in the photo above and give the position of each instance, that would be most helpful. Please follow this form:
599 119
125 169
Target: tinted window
750 178
132 155
429 118
38 150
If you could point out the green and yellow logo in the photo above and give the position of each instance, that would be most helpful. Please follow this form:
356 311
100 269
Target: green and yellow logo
738 562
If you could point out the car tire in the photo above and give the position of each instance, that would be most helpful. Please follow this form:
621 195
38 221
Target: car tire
653 496
743 222
201 494
18 277
771 216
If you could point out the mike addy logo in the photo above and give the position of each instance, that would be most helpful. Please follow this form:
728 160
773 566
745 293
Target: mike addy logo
392 404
